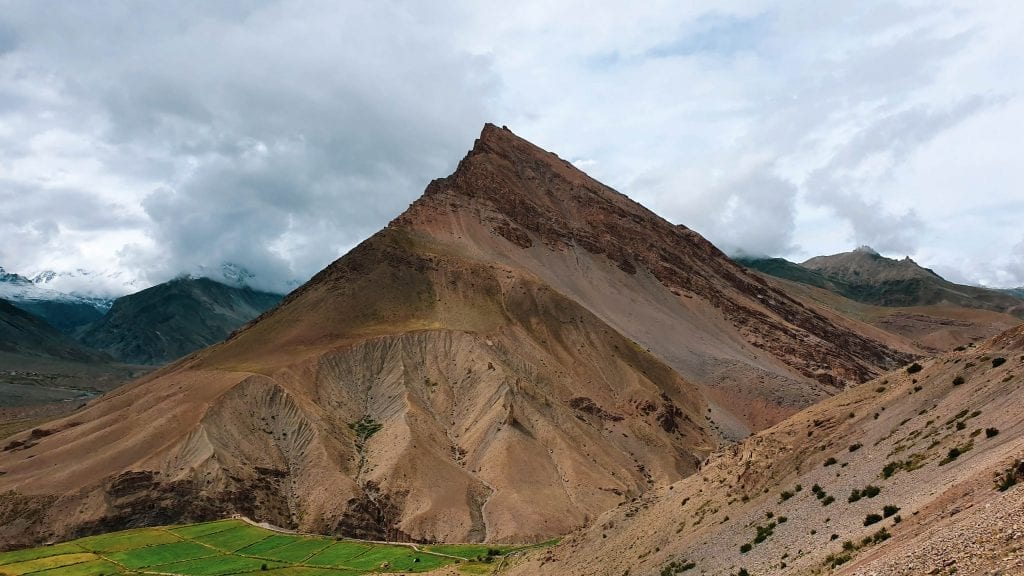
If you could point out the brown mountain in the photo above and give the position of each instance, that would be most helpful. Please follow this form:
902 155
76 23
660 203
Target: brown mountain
518 352
866 276
917 472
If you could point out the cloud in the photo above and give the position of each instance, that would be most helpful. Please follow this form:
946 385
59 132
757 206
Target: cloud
271 135
276 134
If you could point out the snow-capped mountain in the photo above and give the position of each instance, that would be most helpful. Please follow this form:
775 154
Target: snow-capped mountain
64 310
88 283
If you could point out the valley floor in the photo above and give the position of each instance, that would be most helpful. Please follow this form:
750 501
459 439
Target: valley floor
236 547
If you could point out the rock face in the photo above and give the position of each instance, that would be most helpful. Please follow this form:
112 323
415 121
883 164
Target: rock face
920 471
165 322
521 350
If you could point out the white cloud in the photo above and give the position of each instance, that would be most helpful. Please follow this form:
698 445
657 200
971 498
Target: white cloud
277 134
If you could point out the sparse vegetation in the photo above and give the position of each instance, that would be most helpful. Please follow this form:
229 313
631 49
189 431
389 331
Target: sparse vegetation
872 519
912 463
889 510
677 567
958 380
955 452
914 368
997 362
991 432
855 446
830 461
1009 479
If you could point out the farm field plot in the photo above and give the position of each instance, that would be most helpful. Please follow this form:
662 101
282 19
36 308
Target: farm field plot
230 547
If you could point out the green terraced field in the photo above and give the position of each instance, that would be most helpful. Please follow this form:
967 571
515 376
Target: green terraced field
229 547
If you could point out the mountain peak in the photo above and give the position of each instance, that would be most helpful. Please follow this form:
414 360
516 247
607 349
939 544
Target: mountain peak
865 249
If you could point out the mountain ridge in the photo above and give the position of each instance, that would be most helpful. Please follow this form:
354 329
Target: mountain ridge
543 345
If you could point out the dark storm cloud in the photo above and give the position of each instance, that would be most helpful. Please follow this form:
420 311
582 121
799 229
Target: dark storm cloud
249 126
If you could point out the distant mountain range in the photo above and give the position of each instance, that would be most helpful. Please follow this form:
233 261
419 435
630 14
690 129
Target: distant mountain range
152 326
170 320
865 276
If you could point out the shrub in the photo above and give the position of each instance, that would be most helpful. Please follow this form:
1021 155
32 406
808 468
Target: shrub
264 567
1009 478
997 362
991 432
872 519
871 491
889 510
786 495
830 461
958 380
855 446
914 368
746 548
854 495
827 500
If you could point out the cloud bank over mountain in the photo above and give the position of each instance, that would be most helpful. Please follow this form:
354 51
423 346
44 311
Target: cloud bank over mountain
276 135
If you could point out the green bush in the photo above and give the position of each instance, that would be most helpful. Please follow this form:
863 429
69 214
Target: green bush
747 547
889 510
872 519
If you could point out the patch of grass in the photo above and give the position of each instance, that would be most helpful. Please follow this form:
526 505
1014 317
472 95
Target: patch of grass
128 540
339 554
216 566
162 554
195 530
41 552
234 539
269 543
298 551
47 563
91 568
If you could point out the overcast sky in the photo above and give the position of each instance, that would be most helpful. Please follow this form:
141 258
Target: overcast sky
154 138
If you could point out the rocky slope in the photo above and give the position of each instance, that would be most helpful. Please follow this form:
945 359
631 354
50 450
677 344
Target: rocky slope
521 350
165 322
916 472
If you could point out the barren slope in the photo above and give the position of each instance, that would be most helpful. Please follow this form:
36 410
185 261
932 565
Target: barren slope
520 351
935 445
